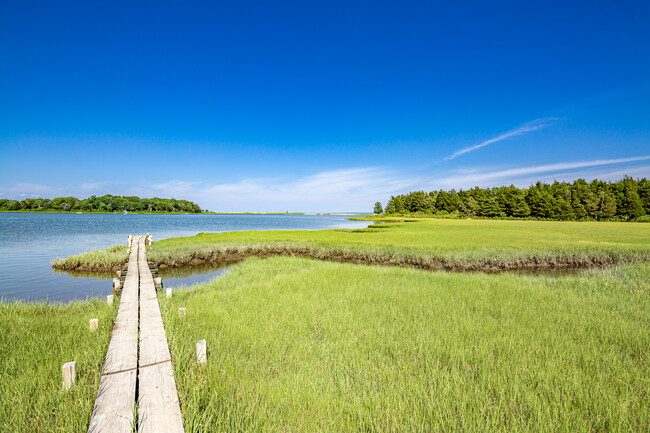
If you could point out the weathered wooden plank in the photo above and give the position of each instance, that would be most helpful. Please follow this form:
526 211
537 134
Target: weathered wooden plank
122 351
115 405
158 408
153 341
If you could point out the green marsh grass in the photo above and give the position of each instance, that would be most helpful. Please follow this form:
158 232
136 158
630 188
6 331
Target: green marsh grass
36 339
103 260
304 345
463 244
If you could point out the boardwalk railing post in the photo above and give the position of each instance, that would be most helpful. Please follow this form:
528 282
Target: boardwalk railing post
69 371
94 323
181 312
201 352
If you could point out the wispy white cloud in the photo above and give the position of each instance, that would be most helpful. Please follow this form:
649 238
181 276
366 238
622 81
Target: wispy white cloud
346 189
93 186
470 179
25 189
523 129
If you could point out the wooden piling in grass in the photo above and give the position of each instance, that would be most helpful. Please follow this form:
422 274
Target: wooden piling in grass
158 283
169 292
94 324
109 299
181 312
69 372
201 352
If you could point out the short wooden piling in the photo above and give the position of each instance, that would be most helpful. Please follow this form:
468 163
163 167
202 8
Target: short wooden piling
158 283
117 285
181 312
168 292
69 371
109 299
201 352
94 324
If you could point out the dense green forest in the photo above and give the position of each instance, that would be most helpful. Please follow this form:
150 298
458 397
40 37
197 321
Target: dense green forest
627 199
105 203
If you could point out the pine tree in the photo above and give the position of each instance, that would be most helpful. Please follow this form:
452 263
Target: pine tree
606 205
378 209
490 208
520 209
470 206
643 189
632 206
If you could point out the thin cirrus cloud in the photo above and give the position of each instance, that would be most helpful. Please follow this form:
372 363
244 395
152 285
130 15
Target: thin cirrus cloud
531 126
345 189
470 179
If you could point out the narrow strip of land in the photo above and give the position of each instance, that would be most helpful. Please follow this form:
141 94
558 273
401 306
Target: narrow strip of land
128 374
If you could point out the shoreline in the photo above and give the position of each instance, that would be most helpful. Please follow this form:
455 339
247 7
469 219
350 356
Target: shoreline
383 244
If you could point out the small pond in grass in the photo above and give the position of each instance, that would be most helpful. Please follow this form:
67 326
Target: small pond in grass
29 242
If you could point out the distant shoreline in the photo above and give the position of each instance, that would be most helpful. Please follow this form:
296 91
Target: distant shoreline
185 213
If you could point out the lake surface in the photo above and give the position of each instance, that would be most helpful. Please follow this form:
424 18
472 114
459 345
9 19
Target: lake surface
29 243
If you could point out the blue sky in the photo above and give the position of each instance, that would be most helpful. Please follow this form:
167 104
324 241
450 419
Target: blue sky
318 106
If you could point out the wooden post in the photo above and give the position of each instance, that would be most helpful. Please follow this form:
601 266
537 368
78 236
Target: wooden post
109 299
69 371
94 323
201 352
181 312
158 283
169 292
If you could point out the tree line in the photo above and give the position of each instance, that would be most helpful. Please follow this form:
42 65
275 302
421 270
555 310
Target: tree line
105 203
627 199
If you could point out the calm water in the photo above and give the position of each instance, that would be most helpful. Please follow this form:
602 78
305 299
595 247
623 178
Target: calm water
29 243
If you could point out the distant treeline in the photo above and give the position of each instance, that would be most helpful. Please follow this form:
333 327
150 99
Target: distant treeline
105 203
627 199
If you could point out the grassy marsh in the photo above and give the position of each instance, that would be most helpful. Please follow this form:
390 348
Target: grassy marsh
303 345
36 339
426 243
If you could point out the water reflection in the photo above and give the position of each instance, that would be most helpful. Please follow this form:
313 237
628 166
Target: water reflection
188 275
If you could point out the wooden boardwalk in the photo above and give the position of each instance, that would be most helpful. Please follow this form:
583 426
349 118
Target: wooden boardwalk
145 375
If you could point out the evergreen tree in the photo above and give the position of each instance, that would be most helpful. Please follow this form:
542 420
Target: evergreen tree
470 206
579 210
632 206
520 208
378 209
606 205
490 208
643 189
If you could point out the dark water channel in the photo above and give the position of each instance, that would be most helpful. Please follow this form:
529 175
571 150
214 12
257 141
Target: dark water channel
29 243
